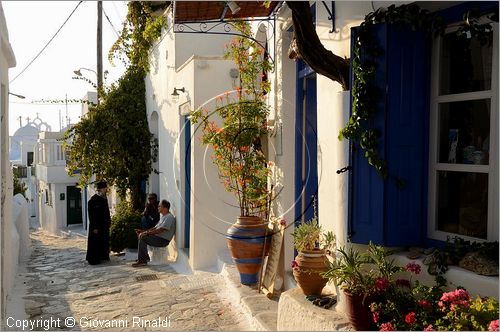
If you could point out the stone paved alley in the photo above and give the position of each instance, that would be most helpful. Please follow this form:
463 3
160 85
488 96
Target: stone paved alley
59 283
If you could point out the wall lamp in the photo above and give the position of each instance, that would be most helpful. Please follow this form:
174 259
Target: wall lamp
175 94
16 95
233 6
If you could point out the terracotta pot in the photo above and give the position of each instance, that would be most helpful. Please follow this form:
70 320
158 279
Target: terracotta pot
246 240
358 311
311 263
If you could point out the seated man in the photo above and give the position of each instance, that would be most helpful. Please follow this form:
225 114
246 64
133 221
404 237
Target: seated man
158 236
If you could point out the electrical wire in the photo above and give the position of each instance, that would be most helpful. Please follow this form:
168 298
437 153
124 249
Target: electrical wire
116 32
39 53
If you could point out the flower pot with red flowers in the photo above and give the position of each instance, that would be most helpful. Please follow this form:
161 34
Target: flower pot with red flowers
363 277
311 262
234 130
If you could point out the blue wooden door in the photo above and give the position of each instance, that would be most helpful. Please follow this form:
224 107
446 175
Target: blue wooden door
306 165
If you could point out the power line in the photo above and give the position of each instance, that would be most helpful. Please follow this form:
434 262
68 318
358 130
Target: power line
42 104
116 32
39 53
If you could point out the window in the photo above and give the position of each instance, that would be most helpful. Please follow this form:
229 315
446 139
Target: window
60 152
463 165
30 158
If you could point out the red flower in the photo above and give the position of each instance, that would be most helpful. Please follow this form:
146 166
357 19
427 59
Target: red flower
381 284
375 316
410 318
423 303
429 328
458 297
283 222
386 327
412 267
493 325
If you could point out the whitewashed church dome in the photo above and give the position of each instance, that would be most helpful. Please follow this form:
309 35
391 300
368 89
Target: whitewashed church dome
28 130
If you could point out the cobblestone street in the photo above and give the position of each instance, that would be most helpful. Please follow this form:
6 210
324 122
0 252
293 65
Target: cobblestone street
59 284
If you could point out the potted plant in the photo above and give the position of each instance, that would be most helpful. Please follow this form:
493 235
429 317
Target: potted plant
234 131
363 277
311 262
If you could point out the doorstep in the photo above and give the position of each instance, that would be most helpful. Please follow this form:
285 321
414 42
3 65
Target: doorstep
295 313
262 311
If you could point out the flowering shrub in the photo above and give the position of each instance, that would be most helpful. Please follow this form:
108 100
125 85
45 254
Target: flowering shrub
465 314
369 273
416 307
236 143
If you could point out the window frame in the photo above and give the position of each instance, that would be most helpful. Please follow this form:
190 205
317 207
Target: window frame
491 169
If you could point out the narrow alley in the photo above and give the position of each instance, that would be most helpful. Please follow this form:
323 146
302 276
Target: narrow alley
64 292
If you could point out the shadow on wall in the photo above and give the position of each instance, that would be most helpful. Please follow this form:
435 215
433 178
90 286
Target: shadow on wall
17 241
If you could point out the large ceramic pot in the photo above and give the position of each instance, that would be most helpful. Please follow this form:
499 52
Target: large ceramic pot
247 241
310 265
358 311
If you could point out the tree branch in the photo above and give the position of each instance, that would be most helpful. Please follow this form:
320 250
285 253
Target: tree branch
312 51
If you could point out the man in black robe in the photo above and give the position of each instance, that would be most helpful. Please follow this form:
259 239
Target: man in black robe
99 221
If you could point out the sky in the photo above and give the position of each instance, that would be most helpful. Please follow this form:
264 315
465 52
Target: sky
31 24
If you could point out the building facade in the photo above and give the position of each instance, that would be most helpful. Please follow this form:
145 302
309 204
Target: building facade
8 257
59 199
427 101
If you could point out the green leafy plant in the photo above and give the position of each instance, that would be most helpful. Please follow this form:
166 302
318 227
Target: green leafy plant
455 249
462 313
310 236
141 29
368 272
113 140
236 143
18 186
123 224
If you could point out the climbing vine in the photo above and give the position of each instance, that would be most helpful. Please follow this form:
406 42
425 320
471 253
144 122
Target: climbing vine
365 93
113 141
141 28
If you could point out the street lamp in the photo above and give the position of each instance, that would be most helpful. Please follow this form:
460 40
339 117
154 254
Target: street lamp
79 73
16 95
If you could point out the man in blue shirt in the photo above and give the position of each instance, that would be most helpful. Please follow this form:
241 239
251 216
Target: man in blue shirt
158 236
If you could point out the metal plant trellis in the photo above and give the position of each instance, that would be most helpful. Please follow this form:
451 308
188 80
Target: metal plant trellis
227 26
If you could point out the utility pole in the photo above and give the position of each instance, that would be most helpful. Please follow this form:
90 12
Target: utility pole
66 109
99 49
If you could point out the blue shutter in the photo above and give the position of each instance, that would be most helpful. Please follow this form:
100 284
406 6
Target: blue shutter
380 210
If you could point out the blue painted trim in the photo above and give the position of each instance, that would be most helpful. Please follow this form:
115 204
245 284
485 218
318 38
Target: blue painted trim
253 240
298 142
254 260
248 279
187 181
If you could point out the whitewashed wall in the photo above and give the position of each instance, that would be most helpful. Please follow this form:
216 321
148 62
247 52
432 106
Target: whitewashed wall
332 114
8 261
192 62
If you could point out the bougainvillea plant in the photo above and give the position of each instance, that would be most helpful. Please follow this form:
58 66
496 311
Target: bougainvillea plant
235 128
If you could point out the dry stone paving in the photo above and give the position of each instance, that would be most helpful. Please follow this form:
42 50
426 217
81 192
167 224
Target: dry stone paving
60 284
